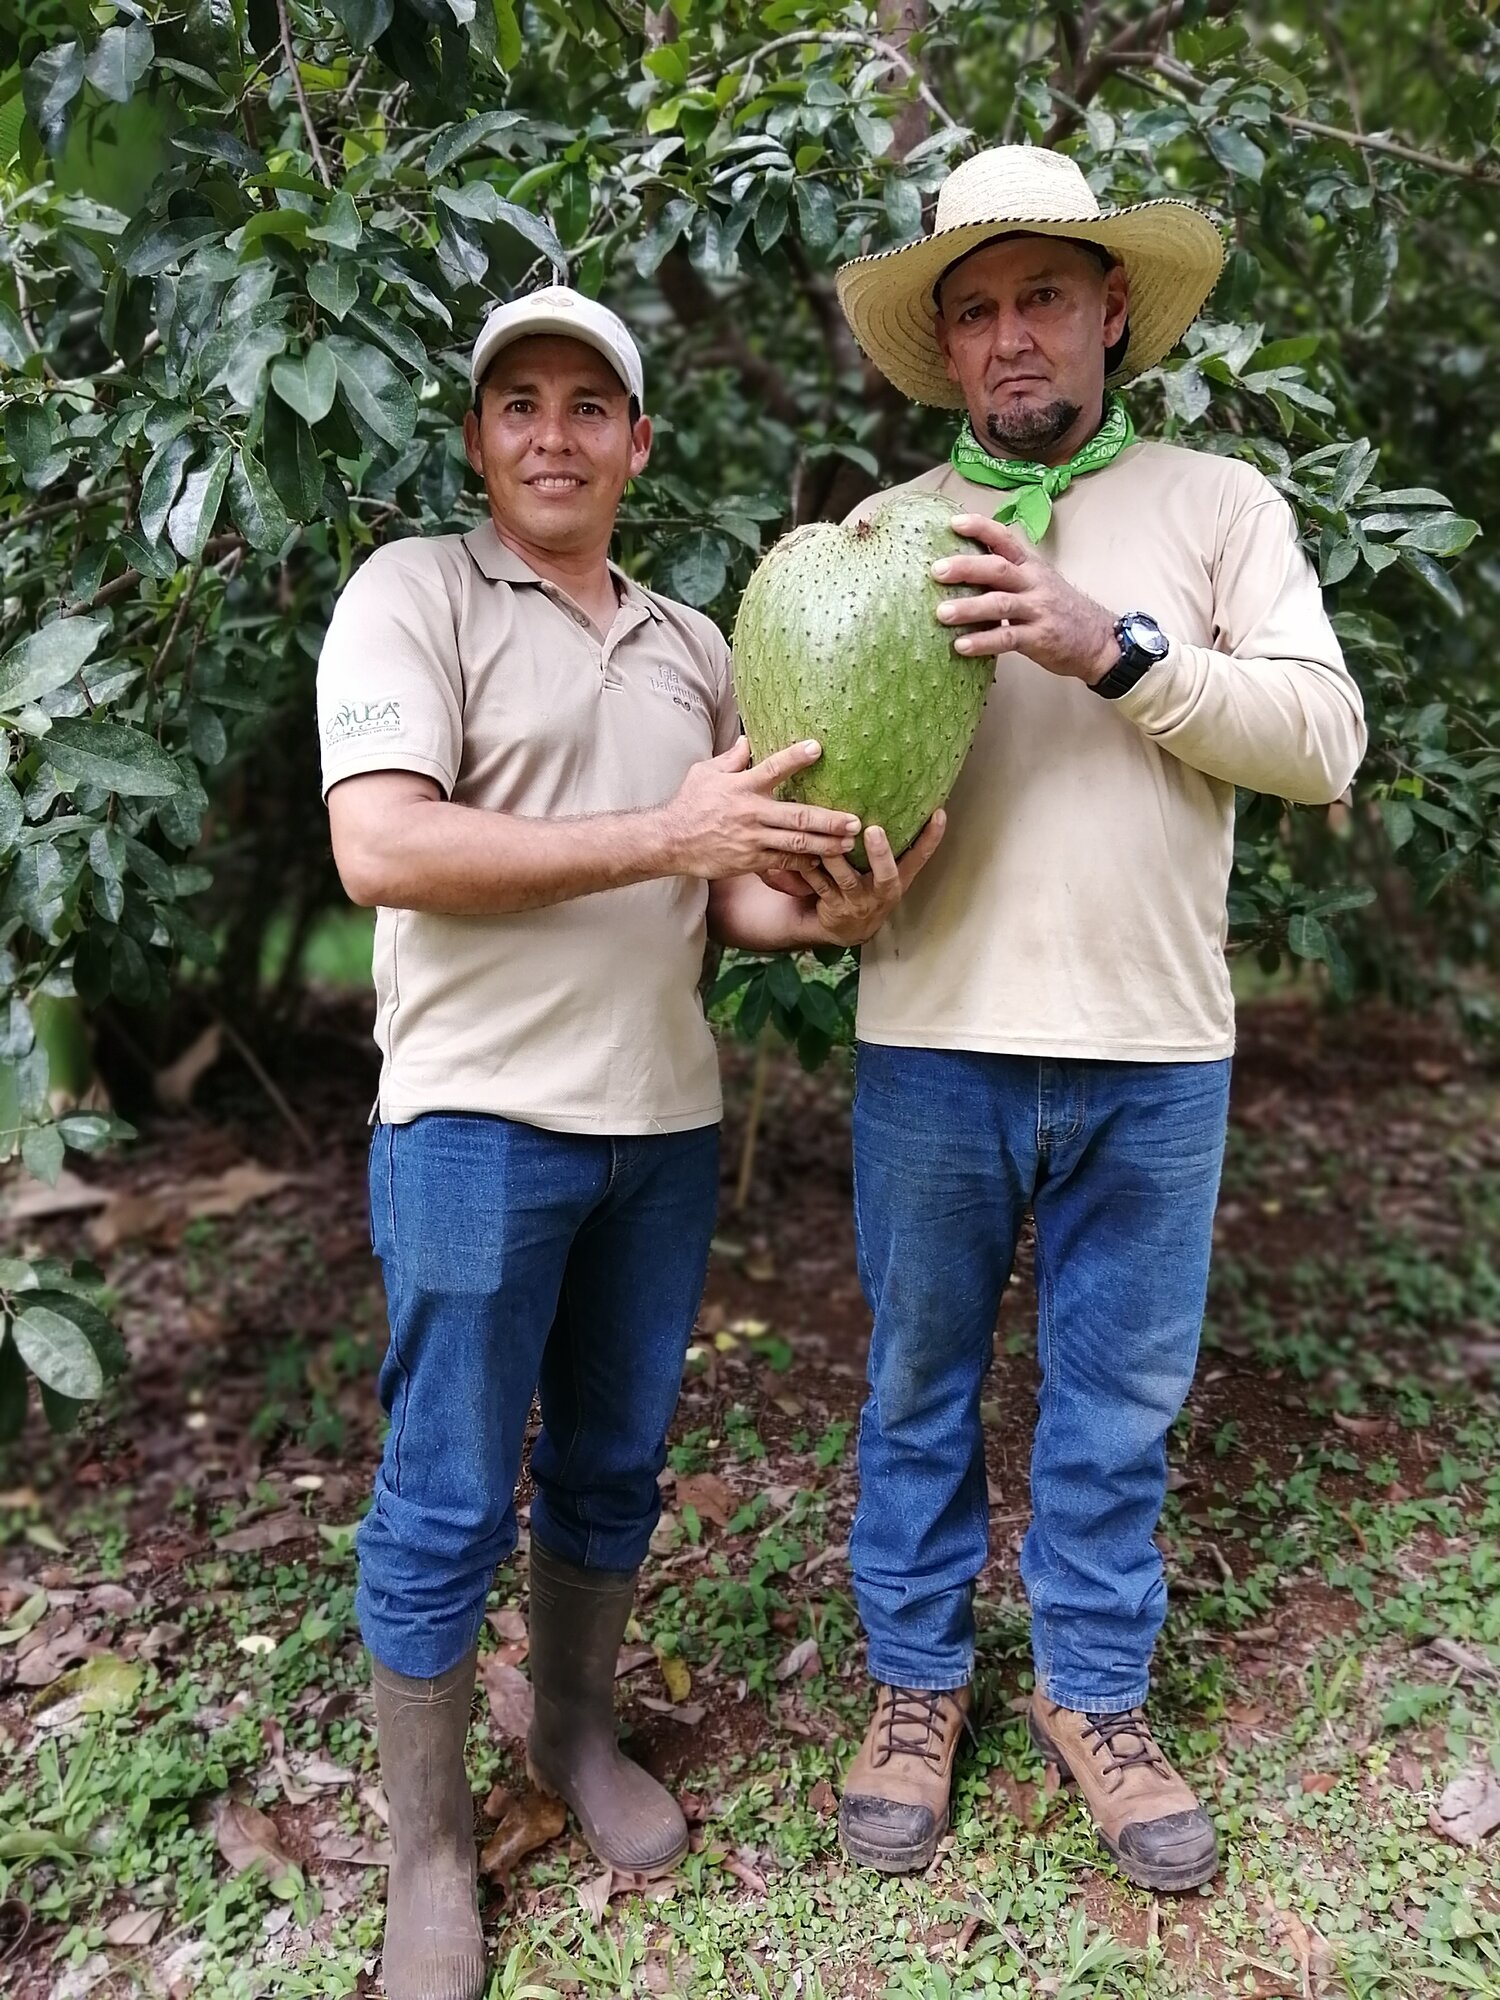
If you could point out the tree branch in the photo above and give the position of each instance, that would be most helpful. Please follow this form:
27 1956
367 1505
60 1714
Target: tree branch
695 305
851 38
296 76
1142 38
1363 142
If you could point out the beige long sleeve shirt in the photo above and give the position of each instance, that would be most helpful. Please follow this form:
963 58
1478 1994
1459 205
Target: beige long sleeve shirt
1077 904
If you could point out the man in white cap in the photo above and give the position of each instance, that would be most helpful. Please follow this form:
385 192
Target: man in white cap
1046 1024
534 769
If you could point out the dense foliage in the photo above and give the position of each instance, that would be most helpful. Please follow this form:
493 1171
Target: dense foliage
244 246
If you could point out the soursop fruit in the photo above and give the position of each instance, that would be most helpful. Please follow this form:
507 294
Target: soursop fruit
837 638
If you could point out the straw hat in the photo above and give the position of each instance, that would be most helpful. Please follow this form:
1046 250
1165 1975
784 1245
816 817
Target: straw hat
1171 252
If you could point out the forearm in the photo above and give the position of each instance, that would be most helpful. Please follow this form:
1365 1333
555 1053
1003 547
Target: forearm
744 913
453 860
1292 728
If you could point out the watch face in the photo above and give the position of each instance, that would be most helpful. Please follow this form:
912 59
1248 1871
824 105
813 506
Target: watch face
1144 634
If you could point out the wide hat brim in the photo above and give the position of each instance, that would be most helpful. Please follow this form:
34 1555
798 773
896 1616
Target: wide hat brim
1171 251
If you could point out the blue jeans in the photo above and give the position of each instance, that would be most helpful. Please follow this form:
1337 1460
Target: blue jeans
1119 1163
518 1260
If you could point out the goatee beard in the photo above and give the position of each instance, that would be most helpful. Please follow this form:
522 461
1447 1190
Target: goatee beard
1026 433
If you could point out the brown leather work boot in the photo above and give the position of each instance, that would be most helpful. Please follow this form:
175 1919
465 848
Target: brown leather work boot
434 1946
1147 1819
895 1805
578 1619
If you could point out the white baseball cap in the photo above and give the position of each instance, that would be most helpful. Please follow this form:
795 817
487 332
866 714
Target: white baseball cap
559 309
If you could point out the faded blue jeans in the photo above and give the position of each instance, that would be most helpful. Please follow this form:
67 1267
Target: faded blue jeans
1119 1163
518 1260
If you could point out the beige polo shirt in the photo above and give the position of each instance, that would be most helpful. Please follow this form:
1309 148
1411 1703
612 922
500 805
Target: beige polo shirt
449 656
1077 904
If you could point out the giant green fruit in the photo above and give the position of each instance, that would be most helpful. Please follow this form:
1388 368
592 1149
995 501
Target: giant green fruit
837 638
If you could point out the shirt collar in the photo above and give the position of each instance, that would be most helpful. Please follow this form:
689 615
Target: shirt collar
501 564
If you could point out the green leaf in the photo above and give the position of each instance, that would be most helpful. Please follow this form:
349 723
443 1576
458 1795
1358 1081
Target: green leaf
42 1153
694 569
12 817
375 388
1307 937
363 21
665 231
15 348
1435 577
121 57
341 225
1400 821
226 146
308 383
169 243
58 1353
821 1008
191 520
244 371
816 215
48 88
478 201
161 483
467 137
112 757
334 286
1233 148
48 659
1449 535
903 208
511 43
292 460
255 504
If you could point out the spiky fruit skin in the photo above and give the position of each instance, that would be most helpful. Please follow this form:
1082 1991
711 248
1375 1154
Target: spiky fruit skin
837 638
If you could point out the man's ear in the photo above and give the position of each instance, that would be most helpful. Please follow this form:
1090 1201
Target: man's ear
471 442
640 446
1116 304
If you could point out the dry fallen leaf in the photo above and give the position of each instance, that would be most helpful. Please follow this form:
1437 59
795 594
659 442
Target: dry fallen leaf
358 1853
510 1697
594 1894
1365 1427
247 1838
26 1200
1406 1771
509 1625
269 1532
744 1872
1469 1809
689 1712
708 1496
822 1800
48 1661
803 1659
167 1211
532 1821
1319 1781
135 1927
632 1657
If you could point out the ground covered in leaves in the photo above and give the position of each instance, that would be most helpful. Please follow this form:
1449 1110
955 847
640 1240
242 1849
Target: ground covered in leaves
189 1799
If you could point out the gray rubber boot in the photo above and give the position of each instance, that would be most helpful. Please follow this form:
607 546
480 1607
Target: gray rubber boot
434 1946
578 1619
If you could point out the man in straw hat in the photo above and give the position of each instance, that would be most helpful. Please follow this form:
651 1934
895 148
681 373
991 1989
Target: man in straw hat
534 768
1046 1023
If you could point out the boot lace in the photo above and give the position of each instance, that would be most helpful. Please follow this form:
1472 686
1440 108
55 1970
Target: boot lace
1123 1739
916 1712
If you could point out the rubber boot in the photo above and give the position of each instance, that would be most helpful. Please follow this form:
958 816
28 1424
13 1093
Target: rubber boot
434 1946
578 1619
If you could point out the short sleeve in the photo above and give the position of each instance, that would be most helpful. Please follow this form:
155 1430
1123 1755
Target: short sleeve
390 692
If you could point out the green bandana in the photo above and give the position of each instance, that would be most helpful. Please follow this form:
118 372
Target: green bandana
1030 509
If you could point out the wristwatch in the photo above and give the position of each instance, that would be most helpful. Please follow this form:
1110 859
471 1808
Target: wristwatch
1142 645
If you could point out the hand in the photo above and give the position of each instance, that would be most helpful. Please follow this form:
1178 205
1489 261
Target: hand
1024 606
851 907
724 821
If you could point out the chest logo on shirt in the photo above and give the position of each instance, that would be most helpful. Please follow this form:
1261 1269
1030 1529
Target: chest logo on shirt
666 680
362 718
